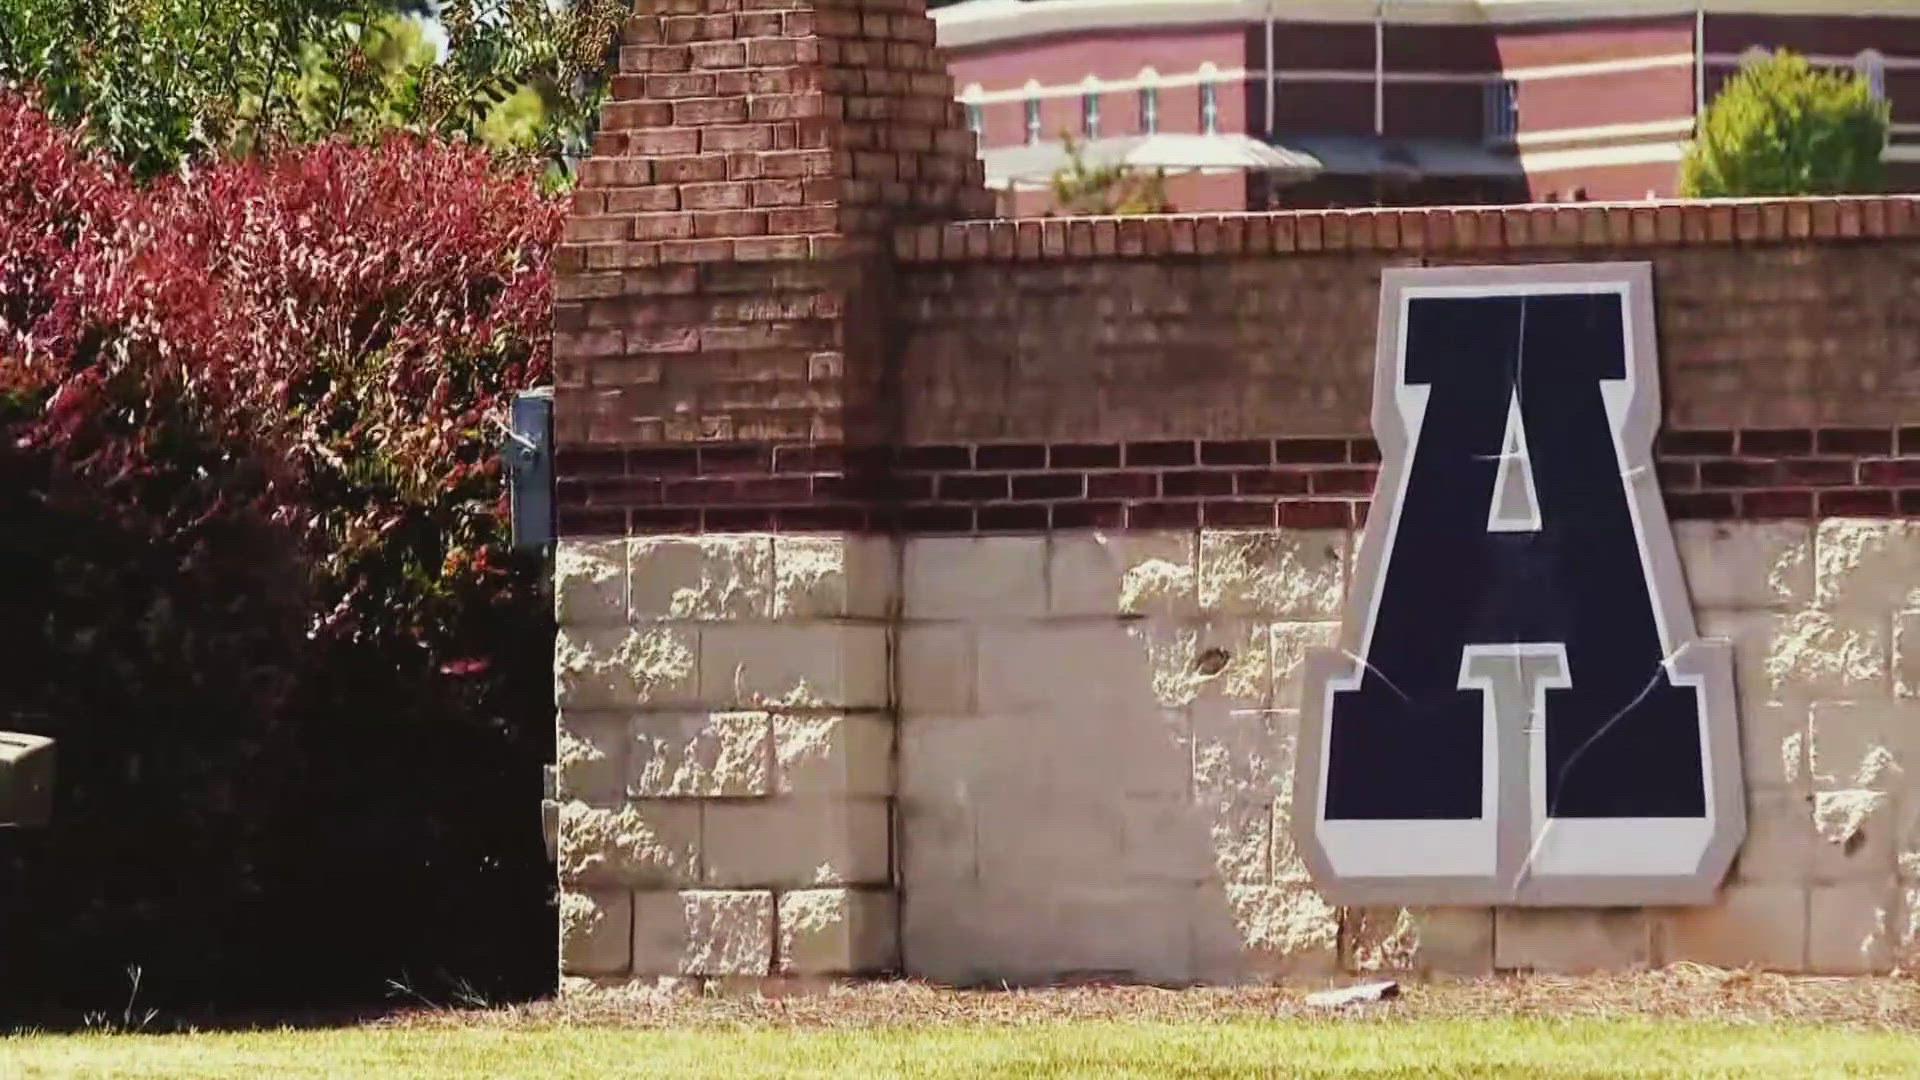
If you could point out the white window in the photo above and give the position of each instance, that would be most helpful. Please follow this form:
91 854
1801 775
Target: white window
1872 67
1209 109
1090 114
976 120
1033 120
1150 109
1502 104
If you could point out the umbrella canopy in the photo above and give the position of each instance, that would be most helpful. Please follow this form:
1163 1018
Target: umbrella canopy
1035 164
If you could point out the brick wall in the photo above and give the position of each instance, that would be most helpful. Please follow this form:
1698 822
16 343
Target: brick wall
810 724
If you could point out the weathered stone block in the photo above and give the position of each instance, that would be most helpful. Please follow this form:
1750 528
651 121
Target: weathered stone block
935 670
1849 928
974 577
1572 940
1217 658
796 842
1746 564
705 755
624 668
590 757
1867 564
1291 640
1241 752
813 665
1284 930
1289 574
837 932
833 755
1097 573
940 762
1759 925
646 843
700 577
1855 835
1906 654
830 577
596 931
703 932
590 582
1822 653
1423 941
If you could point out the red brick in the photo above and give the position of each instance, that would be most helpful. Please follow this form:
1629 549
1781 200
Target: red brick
714 110
677 226
718 54
651 199
664 142
720 196
690 169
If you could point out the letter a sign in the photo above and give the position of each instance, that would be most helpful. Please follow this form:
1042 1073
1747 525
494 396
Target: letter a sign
1520 710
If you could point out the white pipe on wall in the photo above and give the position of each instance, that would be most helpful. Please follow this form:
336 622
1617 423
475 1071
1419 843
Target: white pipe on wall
1273 73
1380 67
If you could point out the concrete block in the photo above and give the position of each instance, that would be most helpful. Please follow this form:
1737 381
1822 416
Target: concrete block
1098 573
974 577
1291 640
1849 928
1867 564
1126 933
832 577
967 933
642 844
833 755
703 755
1028 833
940 780
1286 574
1048 668
1164 840
590 758
620 668
590 582
795 842
1779 843
700 577
837 932
1420 941
934 670
811 665
703 932
596 931
1746 564
1749 925
1571 940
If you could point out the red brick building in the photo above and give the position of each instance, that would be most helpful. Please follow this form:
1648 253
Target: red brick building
1397 101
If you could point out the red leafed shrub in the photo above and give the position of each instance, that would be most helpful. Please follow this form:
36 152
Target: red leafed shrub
256 578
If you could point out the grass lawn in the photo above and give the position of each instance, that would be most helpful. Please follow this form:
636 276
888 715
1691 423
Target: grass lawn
1523 1047
1684 1021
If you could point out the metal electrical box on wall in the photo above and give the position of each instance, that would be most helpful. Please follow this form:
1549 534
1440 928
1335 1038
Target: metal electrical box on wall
528 457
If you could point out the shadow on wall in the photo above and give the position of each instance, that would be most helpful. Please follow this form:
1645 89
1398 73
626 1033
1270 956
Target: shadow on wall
1096 757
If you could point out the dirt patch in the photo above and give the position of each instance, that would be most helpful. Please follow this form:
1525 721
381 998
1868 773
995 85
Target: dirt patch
1682 992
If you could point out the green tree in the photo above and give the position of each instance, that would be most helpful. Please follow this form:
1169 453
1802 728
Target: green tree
1783 127
161 83
1080 188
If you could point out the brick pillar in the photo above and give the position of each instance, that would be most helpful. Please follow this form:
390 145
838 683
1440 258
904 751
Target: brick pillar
725 593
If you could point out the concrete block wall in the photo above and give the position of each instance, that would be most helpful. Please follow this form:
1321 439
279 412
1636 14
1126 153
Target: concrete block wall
725 756
1096 739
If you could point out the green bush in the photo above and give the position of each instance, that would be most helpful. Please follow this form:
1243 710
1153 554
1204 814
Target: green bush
1781 127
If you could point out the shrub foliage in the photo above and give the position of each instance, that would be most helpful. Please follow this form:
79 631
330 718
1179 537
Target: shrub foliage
256 582
1783 127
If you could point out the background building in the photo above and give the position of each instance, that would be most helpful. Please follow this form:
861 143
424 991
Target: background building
1392 101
